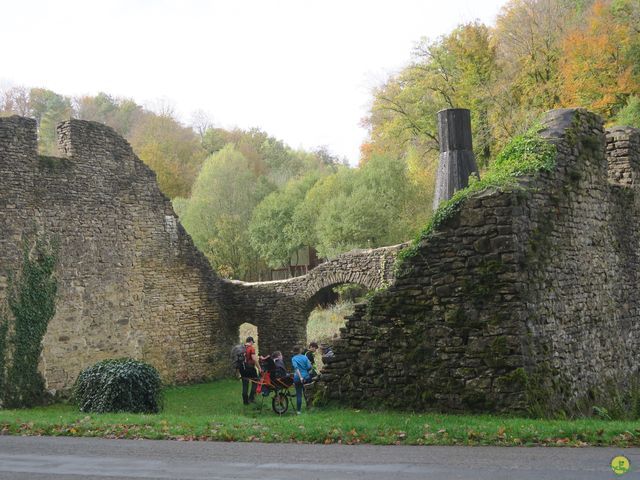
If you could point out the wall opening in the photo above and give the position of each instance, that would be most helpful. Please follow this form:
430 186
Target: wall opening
248 330
331 305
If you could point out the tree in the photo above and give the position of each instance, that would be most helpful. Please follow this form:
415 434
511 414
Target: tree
15 101
171 150
214 139
600 64
201 122
528 38
455 71
218 213
630 114
356 208
119 113
273 231
49 109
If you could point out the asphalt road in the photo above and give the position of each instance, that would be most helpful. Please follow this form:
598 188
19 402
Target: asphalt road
41 458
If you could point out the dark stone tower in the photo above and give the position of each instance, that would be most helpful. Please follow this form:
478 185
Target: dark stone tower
457 161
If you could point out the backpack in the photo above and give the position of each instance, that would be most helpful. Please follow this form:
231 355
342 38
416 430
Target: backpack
238 356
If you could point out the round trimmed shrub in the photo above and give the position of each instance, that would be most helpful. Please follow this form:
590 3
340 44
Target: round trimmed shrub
118 385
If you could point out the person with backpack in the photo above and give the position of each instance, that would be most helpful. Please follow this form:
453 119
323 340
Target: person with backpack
248 366
301 374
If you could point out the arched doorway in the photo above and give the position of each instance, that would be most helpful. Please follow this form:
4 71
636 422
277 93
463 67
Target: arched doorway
327 313
247 330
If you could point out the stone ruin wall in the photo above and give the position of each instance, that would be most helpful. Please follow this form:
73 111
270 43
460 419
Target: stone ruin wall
280 309
523 300
130 280
525 297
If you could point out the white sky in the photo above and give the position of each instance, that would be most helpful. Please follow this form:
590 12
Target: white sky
300 70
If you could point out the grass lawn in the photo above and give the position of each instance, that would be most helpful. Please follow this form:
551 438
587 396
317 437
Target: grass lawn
214 411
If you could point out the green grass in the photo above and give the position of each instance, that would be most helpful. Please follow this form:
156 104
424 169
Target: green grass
214 411
325 323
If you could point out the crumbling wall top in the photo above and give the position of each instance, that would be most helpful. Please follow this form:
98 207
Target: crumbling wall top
85 139
18 137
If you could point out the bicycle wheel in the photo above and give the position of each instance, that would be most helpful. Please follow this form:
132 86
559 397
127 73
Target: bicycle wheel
280 403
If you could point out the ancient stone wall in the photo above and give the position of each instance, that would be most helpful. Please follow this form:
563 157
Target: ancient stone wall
526 299
623 154
131 282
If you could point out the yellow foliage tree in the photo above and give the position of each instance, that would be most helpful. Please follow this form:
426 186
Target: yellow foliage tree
599 67
171 150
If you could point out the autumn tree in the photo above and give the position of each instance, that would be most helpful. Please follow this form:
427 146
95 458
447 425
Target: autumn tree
600 59
171 150
121 114
15 101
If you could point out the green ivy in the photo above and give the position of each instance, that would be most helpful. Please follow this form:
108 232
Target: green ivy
31 299
526 154
4 327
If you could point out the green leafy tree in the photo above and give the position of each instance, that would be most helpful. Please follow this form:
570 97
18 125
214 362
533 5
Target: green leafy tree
357 208
218 213
630 114
274 235
49 109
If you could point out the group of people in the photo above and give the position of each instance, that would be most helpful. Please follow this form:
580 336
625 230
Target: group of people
303 363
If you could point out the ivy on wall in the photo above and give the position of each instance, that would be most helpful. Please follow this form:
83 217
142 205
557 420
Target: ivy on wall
4 327
31 300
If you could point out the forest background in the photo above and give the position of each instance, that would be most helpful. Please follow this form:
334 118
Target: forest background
250 201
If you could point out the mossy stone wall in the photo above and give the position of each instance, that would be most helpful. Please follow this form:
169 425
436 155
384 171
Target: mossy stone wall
525 299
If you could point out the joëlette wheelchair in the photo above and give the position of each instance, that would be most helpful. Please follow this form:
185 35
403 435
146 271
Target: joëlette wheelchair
278 383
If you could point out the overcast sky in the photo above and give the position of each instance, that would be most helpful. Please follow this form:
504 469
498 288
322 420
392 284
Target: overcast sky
301 70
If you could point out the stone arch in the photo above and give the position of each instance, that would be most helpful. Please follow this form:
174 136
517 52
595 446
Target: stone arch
312 301
280 309
324 280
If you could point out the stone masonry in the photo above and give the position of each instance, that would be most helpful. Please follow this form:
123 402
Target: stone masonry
131 282
525 299
280 309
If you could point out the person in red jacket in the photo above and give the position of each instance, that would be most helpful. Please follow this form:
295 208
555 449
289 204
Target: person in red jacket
249 371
